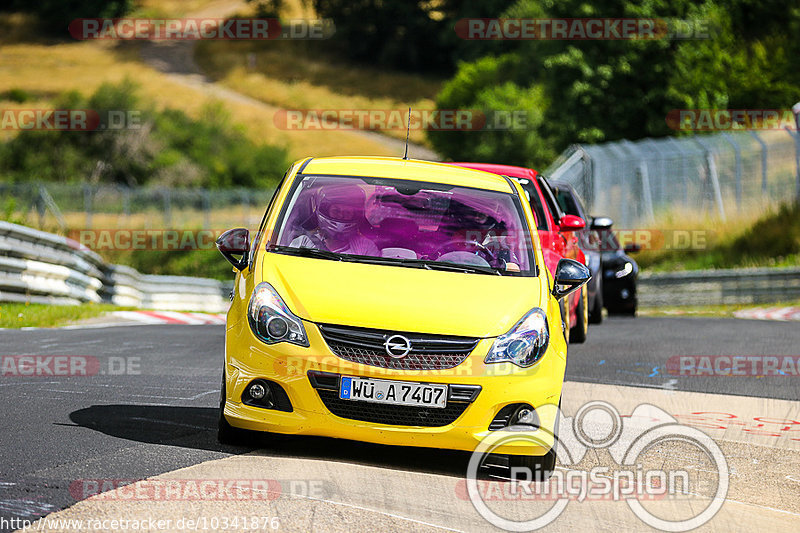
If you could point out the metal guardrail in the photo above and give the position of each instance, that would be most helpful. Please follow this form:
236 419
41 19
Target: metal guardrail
713 287
40 267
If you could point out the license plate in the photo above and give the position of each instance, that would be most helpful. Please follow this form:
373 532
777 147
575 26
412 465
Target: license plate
393 392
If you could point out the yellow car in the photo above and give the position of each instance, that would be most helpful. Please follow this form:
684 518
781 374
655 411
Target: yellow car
396 302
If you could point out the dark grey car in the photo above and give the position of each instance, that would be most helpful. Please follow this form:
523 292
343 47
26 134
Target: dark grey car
571 204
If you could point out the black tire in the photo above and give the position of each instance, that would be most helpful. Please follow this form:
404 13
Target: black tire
578 334
631 312
226 433
596 313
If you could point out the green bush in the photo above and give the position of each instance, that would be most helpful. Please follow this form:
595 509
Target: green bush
592 91
56 15
167 148
19 96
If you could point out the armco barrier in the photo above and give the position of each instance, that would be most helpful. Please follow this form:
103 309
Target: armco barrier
713 287
40 267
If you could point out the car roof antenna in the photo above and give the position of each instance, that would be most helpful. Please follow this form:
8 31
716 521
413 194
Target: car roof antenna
408 130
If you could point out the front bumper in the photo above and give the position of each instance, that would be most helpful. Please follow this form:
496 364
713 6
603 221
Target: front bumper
289 366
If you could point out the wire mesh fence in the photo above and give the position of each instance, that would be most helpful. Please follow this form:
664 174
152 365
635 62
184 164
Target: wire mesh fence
65 207
721 175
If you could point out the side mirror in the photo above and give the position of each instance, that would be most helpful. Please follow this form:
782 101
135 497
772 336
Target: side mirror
235 242
602 223
571 223
570 276
632 248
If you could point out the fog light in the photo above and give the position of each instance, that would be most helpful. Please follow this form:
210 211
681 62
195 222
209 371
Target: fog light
257 391
277 327
527 417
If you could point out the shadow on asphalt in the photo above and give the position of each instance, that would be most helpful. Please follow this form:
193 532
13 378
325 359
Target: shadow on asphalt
196 427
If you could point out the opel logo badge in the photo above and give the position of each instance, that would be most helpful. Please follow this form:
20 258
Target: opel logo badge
397 346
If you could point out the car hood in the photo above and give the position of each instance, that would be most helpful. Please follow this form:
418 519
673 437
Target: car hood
401 298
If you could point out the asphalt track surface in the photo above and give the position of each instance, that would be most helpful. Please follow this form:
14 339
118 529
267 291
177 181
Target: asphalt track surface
162 415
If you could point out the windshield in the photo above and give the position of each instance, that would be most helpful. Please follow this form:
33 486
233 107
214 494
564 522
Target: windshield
406 223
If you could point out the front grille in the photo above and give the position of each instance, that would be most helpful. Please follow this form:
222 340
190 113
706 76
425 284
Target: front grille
400 415
367 347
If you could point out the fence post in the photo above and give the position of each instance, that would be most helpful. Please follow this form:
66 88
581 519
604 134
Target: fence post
126 203
622 157
646 191
206 209
796 136
737 152
245 207
764 154
711 165
87 205
644 178
167 207
588 178
684 167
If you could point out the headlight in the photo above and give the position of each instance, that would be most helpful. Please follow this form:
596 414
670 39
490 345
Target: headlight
624 271
270 319
525 344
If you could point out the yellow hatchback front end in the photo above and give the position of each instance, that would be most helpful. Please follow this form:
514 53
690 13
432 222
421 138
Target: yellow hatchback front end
395 302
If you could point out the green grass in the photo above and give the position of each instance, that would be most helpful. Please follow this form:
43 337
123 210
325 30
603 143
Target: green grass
773 240
204 263
714 311
13 316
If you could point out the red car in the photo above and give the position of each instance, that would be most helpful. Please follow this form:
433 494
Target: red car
557 233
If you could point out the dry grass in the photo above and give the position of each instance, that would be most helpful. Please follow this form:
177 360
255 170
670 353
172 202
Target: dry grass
45 69
304 75
182 8
290 75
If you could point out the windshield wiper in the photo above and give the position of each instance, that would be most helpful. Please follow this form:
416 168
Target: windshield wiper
428 264
458 267
306 252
